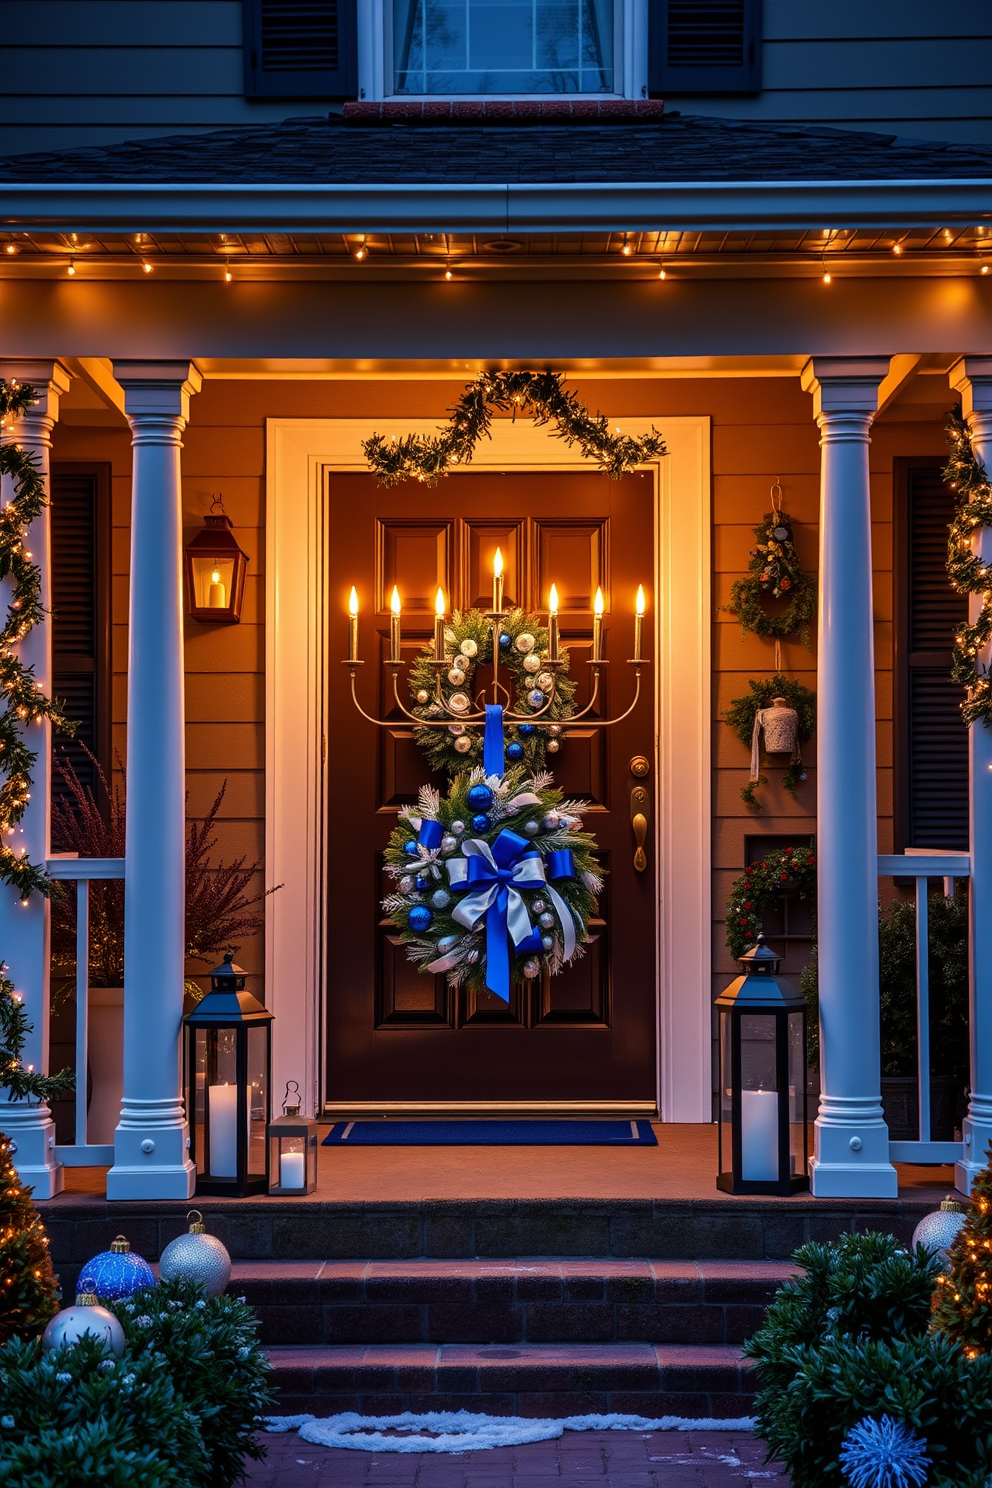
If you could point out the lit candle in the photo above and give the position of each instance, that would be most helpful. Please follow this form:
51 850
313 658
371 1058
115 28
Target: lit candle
353 625
759 1136
498 583
217 599
553 624
394 626
292 1171
439 608
223 1117
597 626
639 624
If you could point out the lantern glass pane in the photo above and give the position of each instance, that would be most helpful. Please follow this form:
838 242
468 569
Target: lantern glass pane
221 1155
198 1096
759 1099
292 1162
797 1093
258 1097
213 581
726 1099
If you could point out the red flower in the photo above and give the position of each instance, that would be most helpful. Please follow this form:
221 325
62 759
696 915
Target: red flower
785 583
811 861
748 904
784 877
743 920
788 852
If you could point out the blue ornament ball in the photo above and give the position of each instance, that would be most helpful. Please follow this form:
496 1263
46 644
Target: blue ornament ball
410 848
480 823
419 918
514 751
118 1272
480 797
536 698
525 729
504 640
422 880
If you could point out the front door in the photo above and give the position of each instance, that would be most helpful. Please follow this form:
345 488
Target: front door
395 1036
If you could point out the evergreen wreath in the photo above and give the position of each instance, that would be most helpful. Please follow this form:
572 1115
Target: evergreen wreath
431 880
24 699
966 475
774 572
538 394
741 714
468 642
780 871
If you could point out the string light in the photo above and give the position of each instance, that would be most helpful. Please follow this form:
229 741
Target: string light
228 276
72 268
662 274
147 267
448 274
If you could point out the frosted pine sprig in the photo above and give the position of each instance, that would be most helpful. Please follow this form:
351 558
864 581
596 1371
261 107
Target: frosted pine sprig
884 1454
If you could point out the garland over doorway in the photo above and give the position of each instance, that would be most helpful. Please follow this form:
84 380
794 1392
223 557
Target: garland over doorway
541 395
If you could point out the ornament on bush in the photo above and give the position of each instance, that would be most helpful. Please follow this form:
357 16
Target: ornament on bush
197 1256
939 1230
884 1454
86 1316
118 1272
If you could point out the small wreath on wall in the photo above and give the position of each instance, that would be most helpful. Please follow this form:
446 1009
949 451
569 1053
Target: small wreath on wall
966 475
774 572
523 649
742 716
783 871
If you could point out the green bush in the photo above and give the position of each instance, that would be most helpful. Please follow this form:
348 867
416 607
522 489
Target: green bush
178 1410
849 1338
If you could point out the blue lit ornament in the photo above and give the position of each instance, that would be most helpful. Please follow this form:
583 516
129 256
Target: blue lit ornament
514 751
410 848
480 823
525 729
419 918
536 698
480 797
118 1272
422 880
504 640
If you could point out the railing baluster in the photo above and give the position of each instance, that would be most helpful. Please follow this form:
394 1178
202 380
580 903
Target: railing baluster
82 1010
923 1007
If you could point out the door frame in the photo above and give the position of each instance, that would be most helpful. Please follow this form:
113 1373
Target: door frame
298 654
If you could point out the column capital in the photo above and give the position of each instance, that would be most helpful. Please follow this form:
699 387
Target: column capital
158 389
844 384
50 379
971 378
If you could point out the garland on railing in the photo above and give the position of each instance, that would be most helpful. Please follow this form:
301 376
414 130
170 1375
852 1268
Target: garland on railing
782 871
23 699
538 394
966 475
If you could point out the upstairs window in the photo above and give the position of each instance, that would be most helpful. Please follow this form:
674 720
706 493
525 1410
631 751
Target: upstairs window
503 46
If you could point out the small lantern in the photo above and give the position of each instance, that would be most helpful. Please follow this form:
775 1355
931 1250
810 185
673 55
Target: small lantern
764 1146
228 1053
292 1148
215 570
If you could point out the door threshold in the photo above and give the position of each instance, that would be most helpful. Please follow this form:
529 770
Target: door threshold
439 1110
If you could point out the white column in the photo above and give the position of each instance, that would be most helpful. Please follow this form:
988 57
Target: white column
851 1154
972 379
151 1157
24 928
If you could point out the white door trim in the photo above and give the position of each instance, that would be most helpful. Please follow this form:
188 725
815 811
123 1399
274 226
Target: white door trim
298 453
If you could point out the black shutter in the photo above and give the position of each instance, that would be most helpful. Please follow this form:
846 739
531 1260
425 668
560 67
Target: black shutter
300 48
80 507
931 740
704 46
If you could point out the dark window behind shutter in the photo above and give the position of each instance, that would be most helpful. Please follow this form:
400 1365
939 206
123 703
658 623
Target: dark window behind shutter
300 48
931 740
704 46
81 615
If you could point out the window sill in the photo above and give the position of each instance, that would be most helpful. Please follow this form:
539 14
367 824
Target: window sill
528 110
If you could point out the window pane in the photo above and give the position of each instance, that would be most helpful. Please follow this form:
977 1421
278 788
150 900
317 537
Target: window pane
503 46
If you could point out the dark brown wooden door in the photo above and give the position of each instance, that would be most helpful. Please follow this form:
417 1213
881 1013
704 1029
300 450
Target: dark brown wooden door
393 1033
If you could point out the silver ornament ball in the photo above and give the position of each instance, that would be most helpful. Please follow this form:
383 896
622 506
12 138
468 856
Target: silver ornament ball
406 884
440 899
939 1230
463 744
532 663
547 920
468 647
547 942
532 969
197 1256
554 730
457 828
536 698
545 681
423 696
537 906
69 1325
551 821
456 676
525 642
553 746
531 828
448 844
459 703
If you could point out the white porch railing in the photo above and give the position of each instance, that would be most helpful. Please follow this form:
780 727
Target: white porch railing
83 1154
923 866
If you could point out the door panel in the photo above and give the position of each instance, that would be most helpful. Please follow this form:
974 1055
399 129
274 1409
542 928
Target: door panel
393 1033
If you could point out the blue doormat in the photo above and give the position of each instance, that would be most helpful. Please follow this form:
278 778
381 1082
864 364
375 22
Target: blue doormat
491 1134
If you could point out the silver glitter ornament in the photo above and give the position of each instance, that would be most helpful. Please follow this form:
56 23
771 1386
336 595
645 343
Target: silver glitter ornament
463 744
406 884
553 730
532 969
468 647
456 676
552 746
458 828
939 1230
87 1316
423 696
537 906
531 828
440 899
547 942
545 681
197 1256
525 642
547 920
448 844
459 703
551 821
532 663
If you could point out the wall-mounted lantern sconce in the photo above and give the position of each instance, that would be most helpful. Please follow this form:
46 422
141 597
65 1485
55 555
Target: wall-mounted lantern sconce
215 570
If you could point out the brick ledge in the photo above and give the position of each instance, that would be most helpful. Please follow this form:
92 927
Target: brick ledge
505 111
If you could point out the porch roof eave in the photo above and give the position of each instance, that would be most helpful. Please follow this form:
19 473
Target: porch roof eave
562 207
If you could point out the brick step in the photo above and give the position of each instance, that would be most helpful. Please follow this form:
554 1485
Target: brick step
559 1379
536 1301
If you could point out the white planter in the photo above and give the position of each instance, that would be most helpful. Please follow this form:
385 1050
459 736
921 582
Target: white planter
105 1022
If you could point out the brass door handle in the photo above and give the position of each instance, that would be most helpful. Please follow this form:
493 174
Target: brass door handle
639 807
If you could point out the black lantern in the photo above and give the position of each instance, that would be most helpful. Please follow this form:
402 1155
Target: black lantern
292 1148
228 1055
215 570
764 1146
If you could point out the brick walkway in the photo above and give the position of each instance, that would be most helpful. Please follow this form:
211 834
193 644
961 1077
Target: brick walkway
588 1459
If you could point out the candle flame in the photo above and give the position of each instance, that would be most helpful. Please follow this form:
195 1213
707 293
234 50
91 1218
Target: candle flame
597 603
498 564
640 599
439 604
394 603
553 600
215 576
353 601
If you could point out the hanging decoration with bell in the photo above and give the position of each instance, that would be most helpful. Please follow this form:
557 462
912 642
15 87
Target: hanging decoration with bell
87 1316
118 1272
197 1256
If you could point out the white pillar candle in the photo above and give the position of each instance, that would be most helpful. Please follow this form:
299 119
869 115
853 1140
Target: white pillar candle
223 1131
218 592
292 1172
759 1136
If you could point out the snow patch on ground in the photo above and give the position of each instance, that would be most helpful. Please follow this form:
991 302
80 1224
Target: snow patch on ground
465 1431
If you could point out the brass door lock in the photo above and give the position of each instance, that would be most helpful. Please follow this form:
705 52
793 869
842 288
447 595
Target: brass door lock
640 805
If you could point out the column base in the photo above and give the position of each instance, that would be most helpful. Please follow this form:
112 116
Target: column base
32 1131
853 1181
151 1153
977 1137
851 1159
124 1182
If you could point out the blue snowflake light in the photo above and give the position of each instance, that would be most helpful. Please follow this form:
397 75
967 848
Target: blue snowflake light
884 1454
